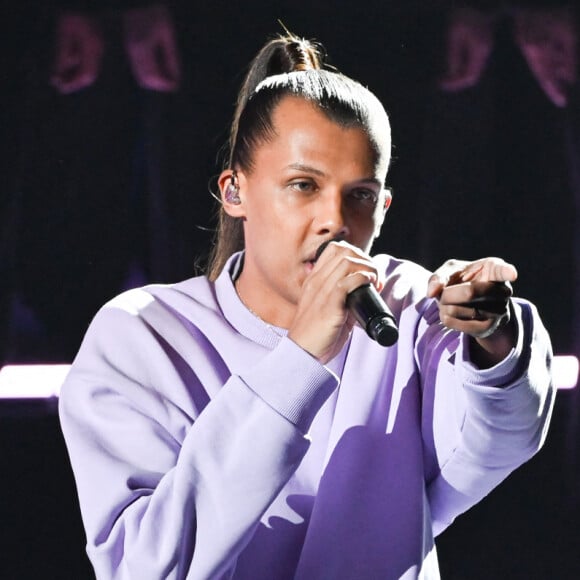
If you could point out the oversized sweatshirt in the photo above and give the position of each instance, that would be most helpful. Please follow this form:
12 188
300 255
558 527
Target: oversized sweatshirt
207 444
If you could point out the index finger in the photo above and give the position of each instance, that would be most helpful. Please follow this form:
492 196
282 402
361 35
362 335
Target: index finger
490 270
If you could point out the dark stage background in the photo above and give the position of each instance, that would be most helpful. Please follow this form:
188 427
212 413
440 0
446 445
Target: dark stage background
110 187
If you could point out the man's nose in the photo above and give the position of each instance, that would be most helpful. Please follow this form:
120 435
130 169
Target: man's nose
330 216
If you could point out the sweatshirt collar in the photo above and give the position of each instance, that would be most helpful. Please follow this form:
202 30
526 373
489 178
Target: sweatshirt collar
237 313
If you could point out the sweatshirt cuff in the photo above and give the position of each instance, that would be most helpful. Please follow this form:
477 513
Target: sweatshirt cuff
506 371
292 382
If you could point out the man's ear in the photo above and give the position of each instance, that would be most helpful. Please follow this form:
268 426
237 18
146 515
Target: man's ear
387 198
231 197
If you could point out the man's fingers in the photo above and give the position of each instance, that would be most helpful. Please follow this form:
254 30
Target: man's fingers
505 273
496 270
457 272
476 293
489 270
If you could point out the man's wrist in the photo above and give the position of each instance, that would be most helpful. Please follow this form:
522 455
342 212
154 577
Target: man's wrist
489 351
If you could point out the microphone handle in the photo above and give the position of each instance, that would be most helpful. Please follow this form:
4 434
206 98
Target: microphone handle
373 314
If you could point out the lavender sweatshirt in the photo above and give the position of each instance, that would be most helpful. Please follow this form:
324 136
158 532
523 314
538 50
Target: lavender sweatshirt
206 444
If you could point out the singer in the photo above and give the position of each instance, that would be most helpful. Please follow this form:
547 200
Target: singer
243 425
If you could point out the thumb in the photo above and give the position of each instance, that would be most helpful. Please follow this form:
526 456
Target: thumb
435 286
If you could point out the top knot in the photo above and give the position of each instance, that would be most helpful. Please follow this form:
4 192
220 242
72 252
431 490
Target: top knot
301 53
283 54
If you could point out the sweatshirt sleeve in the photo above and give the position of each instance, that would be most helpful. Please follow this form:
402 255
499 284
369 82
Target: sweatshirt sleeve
480 425
170 493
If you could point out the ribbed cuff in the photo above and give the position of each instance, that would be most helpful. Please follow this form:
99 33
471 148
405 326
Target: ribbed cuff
292 382
504 372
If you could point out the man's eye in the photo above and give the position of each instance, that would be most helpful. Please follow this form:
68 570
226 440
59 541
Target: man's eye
303 186
365 195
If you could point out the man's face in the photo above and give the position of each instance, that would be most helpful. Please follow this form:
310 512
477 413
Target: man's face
312 182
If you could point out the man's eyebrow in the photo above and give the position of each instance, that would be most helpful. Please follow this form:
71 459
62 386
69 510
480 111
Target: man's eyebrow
372 181
315 171
306 169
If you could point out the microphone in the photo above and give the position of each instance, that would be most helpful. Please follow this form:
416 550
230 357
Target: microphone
370 310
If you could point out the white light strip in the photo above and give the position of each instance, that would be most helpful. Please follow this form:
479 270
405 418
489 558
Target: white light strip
44 381
31 381
565 370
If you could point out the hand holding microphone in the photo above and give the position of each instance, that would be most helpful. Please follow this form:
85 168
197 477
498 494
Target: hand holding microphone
370 311
323 321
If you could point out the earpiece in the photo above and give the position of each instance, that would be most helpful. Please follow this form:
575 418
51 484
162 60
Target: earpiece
232 192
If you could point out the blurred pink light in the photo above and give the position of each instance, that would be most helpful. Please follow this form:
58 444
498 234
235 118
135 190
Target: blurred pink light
44 381
565 369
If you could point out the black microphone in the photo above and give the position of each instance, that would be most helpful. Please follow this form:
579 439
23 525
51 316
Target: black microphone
370 310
